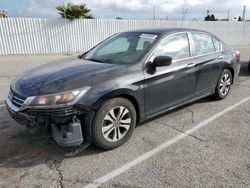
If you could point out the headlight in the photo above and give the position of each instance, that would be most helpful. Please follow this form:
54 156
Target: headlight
68 97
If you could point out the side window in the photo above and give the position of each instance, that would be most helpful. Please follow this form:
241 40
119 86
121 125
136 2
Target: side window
175 46
203 43
117 46
217 44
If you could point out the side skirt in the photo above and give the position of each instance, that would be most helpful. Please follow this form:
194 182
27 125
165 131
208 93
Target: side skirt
177 106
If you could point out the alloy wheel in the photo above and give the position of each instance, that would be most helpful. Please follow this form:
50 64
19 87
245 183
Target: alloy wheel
225 84
116 124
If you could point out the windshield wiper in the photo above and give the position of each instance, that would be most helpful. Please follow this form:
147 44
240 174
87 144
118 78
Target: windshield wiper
97 60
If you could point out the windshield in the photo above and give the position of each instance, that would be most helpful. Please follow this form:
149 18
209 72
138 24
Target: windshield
124 48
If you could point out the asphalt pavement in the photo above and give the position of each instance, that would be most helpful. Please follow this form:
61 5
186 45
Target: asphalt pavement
204 144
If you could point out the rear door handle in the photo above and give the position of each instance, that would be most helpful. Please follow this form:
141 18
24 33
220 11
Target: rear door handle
190 65
221 57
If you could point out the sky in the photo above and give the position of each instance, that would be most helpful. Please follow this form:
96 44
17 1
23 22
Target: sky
131 9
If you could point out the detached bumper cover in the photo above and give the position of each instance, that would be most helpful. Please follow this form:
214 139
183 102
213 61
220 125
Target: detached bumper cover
19 117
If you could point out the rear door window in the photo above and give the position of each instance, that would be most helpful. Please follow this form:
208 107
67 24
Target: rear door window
203 43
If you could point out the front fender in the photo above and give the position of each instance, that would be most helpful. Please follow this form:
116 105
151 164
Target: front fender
136 97
95 98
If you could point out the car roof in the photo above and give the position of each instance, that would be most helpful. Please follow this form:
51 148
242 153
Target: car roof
160 31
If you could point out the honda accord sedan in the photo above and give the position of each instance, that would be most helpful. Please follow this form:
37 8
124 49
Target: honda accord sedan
99 96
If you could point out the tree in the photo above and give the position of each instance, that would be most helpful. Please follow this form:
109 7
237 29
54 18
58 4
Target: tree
210 18
72 11
239 19
3 14
207 18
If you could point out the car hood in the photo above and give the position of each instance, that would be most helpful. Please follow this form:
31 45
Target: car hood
64 75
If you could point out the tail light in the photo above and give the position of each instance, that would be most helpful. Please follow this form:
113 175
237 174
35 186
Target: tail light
238 55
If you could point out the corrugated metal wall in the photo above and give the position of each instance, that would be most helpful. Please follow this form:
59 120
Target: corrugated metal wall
42 36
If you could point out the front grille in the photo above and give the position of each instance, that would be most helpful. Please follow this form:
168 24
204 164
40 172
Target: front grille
16 99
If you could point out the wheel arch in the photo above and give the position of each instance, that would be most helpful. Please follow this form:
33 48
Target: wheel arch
133 100
122 93
232 72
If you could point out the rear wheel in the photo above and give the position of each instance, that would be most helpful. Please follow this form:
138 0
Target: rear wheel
224 85
114 123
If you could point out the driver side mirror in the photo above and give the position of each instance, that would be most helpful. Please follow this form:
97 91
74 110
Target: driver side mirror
161 61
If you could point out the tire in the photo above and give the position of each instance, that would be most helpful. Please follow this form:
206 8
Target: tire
224 85
249 66
109 130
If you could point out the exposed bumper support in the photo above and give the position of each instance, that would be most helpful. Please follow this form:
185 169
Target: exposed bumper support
69 135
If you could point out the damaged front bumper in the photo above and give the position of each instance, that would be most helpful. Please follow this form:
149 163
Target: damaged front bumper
70 126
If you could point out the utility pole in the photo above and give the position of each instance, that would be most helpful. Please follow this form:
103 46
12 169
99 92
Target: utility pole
228 13
244 13
66 30
184 13
154 13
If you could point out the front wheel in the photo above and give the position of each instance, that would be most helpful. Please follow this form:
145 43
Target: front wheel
114 123
224 85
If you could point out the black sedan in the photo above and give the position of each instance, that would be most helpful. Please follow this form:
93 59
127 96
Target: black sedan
128 78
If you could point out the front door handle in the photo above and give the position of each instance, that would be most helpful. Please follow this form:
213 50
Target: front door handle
190 65
221 57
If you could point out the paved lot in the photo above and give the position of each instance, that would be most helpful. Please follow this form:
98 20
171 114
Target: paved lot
216 155
12 66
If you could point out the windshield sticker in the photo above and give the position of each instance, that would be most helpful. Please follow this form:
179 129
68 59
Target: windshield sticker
148 36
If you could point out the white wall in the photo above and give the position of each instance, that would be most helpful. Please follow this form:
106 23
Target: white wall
42 36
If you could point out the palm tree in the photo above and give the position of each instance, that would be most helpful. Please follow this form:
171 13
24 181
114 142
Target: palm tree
72 11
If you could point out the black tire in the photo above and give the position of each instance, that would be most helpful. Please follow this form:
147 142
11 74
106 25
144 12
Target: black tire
99 123
249 66
219 95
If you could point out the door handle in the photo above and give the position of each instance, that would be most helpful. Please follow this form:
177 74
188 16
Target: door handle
221 57
190 65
